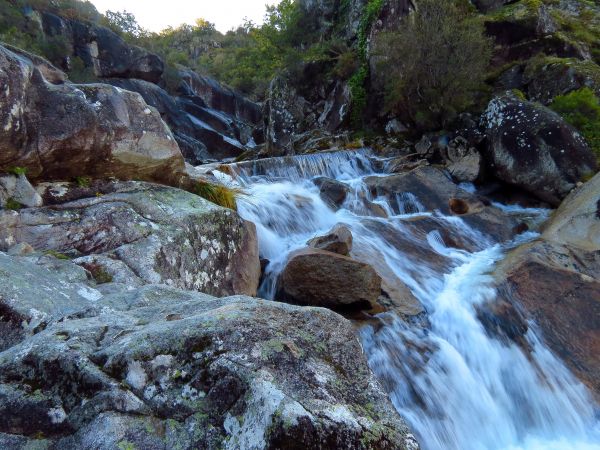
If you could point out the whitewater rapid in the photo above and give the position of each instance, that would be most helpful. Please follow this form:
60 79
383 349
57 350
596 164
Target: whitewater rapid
457 387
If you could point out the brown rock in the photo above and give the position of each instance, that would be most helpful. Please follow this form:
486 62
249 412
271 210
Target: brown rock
556 282
319 278
337 240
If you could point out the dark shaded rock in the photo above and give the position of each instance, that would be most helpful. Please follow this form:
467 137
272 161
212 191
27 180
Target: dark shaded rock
320 278
332 192
547 78
103 50
534 148
337 240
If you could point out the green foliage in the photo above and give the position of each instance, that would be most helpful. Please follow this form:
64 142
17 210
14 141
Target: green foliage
80 73
123 23
11 203
18 171
357 82
358 90
57 255
582 110
83 182
220 195
435 64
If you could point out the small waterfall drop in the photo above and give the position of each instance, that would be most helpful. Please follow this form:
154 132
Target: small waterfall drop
457 386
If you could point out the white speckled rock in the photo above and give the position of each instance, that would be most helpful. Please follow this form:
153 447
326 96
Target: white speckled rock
160 368
139 233
532 147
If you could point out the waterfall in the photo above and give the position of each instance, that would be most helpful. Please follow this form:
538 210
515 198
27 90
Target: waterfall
457 386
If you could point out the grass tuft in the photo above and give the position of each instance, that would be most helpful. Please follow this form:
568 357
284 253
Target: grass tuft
218 194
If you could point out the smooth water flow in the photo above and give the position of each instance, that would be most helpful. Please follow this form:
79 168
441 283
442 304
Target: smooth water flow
458 387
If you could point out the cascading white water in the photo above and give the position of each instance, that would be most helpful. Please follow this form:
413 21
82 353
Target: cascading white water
458 387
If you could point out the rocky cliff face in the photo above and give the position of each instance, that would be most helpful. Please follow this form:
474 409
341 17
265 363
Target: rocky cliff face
208 121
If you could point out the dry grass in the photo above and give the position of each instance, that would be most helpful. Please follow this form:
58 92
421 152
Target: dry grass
218 194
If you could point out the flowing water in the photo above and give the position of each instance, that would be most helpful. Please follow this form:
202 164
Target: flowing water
458 387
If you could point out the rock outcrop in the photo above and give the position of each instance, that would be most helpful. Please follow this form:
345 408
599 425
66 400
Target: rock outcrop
102 50
436 191
67 131
533 148
203 133
555 281
137 233
160 368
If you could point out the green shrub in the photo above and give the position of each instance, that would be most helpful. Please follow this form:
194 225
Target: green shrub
582 110
80 73
83 182
435 64
57 255
18 171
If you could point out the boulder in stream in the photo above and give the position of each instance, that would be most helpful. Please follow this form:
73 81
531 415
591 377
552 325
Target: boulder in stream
315 277
337 240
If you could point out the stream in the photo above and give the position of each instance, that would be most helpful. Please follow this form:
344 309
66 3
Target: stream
456 385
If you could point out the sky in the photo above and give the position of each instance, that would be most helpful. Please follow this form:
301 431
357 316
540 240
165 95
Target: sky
157 15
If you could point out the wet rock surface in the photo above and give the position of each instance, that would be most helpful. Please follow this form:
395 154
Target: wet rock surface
338 240
157 367
555 281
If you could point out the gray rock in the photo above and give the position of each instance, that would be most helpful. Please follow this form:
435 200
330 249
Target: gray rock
102 50
535 149
159 235
21 249
464 162
161 368
18 189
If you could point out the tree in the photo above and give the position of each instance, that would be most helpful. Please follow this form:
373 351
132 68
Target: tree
125 23
435 64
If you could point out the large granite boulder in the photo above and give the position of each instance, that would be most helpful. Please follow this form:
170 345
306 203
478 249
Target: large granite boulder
555 281
316 277
534 148
139 233
160 368
66 131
